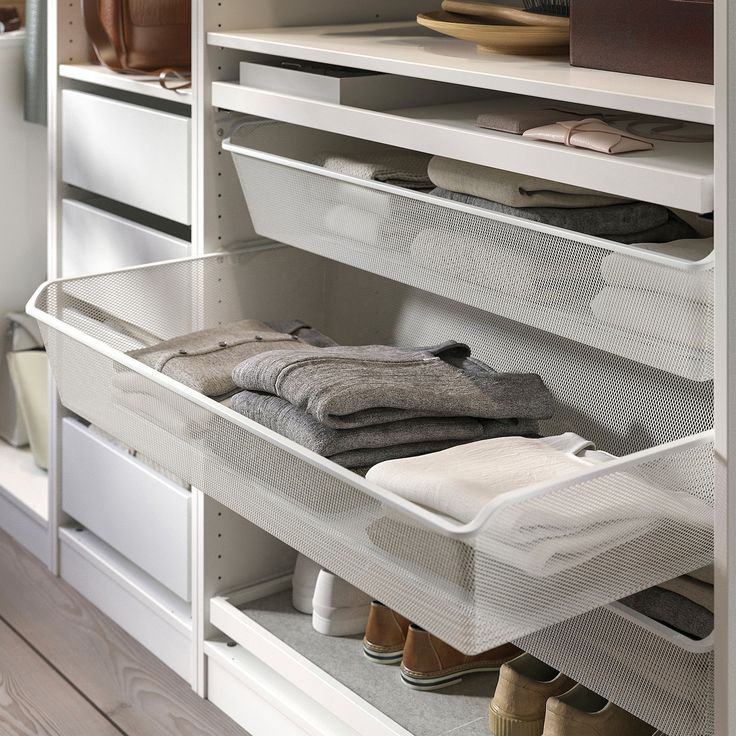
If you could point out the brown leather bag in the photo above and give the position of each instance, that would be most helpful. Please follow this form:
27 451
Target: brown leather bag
141 36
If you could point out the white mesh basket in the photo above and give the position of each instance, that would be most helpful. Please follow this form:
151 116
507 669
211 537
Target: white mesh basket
610 532
652 308
661 676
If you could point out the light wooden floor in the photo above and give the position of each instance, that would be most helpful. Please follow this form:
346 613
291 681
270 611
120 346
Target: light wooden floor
67 670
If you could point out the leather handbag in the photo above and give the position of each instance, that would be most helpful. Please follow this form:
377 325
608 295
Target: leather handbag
141 36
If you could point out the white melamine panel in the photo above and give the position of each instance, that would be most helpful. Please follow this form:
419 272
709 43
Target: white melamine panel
95 240
132 154
134 509
260 700
672 174
406 49
146 610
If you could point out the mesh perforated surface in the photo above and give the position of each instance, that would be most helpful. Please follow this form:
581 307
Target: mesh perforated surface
591 542
654 310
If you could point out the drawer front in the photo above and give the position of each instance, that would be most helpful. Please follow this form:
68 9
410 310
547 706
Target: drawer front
134 509
131 154
96 241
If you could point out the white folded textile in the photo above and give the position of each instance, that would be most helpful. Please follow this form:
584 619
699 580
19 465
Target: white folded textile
366 227
495 265
542 535
625 271
659 316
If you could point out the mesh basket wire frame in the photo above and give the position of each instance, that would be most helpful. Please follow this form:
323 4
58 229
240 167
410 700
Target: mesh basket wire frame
534 274
475 586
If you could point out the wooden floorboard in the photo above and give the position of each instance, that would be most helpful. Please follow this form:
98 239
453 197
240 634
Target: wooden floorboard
36 701
134 689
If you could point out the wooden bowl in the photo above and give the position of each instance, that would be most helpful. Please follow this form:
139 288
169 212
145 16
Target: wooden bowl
502 39
503 15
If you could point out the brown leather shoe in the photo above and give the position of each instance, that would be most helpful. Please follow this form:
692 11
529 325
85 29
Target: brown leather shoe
519 703
580 712
385 635
430 664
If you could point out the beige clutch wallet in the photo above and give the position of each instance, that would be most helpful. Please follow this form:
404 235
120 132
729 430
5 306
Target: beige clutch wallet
592 134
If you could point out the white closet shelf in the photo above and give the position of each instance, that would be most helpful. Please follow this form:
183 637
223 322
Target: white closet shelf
333 674
147 85
23 480
676 175
406 49
475 585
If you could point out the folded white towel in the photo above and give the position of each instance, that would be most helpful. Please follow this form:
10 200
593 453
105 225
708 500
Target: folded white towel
509 270
621 270
367 227
658 316
390 165
542 535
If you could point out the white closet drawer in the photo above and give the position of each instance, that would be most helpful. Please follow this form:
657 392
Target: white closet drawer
132 154
95 241
131 507
613 530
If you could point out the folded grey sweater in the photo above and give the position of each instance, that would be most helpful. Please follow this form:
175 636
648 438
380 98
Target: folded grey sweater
204 360
630 222
673 610
348 387
365 446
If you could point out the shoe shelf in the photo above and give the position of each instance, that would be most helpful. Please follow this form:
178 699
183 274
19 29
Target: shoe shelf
659 675
139 84
404 48
676 175
617 528
541 276
362 698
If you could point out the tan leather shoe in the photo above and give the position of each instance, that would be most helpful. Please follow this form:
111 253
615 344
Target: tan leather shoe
430 664
385 635
580 712
520 700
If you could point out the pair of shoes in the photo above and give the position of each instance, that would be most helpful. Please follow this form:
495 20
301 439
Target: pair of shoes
427 663
534 699
337 608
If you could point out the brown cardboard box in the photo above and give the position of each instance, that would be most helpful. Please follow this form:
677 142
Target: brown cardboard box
656 38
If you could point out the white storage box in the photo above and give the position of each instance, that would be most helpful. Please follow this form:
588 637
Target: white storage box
475 585
132 154
137 511
351 87
592 291
95 240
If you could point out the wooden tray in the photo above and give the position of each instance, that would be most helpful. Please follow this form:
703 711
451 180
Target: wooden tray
503 39
503 14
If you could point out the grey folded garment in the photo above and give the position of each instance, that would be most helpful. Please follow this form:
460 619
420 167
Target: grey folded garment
673 610
704 574
349 387
605 222
366 446
204 360
395 166
514 190
693 589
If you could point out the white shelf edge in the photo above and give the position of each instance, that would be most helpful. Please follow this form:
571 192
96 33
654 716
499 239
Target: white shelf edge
382 47
23 482
450 131
300 672
142 85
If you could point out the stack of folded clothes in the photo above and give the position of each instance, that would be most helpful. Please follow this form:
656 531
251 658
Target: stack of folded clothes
360 406
540 539
657 300
684 604
367 215
553 203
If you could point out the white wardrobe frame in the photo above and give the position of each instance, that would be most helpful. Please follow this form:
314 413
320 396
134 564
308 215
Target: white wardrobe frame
217 220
